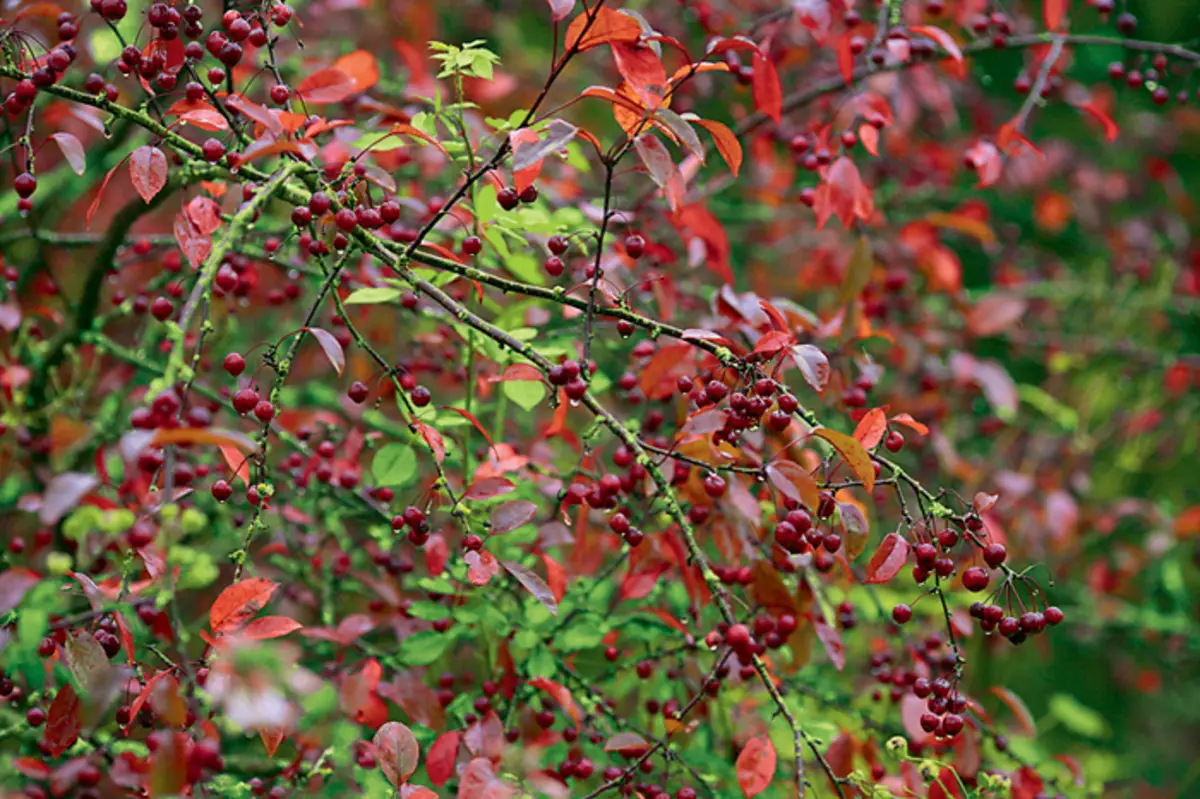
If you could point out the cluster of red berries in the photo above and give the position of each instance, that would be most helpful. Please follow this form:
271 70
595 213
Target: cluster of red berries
1015 628
414 519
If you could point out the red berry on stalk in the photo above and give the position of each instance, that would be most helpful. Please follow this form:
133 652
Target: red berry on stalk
508 198
234 364
635 245
554 266
221 491
212 150
472 246
975 579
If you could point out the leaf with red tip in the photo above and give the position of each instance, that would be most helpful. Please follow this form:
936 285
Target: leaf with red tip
853 453
238 603
434 439
1014 703
95 206
888 560
397 750
271 627
331 347
871 428
72 151
560 695
440 759
490 487
756 765
511 515
561 9
983 502
271 739
533 583
727 143
607 26
1053 13
943 39
148 171
768 94
470 418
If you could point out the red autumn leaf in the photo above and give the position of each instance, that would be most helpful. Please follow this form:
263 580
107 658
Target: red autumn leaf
518 372
329 85
756 765
533 583
943 40
845 56
561 696
1025 723
727 143
489 487
440 759
607 26
888 560
843 194
556 577
470 417
772 342
205 119
479 781
482 566
238 603
271 739
237 462
331 347
95 206
642 70
768 94
627 744
148 171
397 751
270 627
72 151
63 722
434 439
871 428
1111 130
511 515
1053 12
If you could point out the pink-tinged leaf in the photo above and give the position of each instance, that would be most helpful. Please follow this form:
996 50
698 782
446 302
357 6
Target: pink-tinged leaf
561 9
440 760
1053 13
607 25
260 114
434 440
95 206
533 583
984 502
148 171
482 566
271 627
63 723
702 423
331 347
437 554
397 750
238 603
813 365
13 585
995 313
329 85
986 160
791 480
511 515
656 158
871 428
560 695
518 372
853 453
489 487
1025 724
768 94
63 494
888 560
756 765
627 744
831 639
911 423
869 136
479 781
72 151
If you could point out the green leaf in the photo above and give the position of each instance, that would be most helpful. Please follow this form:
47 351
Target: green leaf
394 465
525 393
423 648
588 631
485 204
541 663
428 611
372 296
1078 717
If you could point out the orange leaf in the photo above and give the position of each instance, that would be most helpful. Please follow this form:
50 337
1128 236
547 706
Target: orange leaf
606 26
791 480
871 428
560 695
403 129
888 560
238 603
756 765
727 144
642 69
853 453
361 67
271 627
238 463
911 423
329 85
1053 12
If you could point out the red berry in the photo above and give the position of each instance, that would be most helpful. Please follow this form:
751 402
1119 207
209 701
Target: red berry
358 392
472 246
212 150
234 364
161 309
508 198
901 614
554 266
635 245
894 442
975 579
